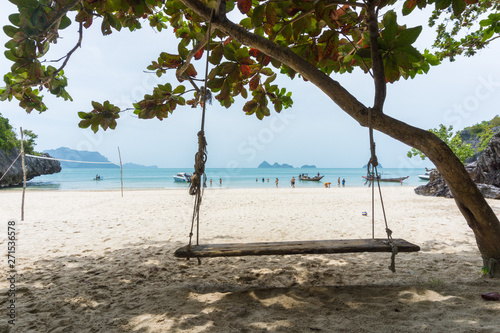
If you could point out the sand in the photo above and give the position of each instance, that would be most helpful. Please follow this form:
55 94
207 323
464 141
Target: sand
97 262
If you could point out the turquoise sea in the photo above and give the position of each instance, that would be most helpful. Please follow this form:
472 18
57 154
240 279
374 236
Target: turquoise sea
162 178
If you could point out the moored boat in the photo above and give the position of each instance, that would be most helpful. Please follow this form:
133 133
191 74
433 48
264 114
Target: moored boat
305 176
426 176
380 179
182 177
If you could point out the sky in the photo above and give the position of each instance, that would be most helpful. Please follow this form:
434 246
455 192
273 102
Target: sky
314 131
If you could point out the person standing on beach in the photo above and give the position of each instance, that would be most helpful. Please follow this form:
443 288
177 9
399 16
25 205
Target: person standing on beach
343 182
338 184
220 181
276 182
210 182
293 182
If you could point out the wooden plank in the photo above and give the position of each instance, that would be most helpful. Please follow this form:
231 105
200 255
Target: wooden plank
294 247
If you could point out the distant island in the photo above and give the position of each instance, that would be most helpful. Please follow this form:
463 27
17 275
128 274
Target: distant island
65 153
275 165
312 166
138 166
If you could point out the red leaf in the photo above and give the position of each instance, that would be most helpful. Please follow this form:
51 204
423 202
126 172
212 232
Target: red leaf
245 70
254 82
410 4
266 61
345 28
191 71
253 52
198 54
227 41
292 11
244 6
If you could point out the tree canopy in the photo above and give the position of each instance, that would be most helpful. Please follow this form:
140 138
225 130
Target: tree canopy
9 141
333 36
453 140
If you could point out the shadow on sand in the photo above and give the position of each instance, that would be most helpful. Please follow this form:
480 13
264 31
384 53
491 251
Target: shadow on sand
143 288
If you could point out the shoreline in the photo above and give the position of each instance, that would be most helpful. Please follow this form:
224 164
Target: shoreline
94 261
208 188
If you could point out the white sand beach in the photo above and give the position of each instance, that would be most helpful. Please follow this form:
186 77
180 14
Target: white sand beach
97 262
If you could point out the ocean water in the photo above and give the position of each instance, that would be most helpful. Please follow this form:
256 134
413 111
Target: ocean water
162 178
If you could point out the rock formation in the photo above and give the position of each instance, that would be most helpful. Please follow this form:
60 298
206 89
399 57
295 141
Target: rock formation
34 167
275 165
485 172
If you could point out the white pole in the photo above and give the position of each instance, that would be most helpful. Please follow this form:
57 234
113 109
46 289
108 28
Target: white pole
24 174
121 169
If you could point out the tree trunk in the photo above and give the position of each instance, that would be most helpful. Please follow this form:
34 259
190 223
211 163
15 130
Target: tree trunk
478 214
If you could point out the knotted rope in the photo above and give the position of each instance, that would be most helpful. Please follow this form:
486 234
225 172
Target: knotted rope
196 188
373 172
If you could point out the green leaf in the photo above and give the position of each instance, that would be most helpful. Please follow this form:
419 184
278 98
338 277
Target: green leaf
241 53
179 89
9 55
65 22
407 37
488 33
215 84
413 53
15 19
443 4
84 123
229 53
10 30
485 23
390 26
363 53
258 15
10 44
246 23
28 3
458 7
97 106
216 55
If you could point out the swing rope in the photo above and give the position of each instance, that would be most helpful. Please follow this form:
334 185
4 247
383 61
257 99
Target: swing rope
373 172
196 187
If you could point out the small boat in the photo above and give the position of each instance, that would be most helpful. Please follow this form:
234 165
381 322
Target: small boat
426 176
304 176
395 180
183 177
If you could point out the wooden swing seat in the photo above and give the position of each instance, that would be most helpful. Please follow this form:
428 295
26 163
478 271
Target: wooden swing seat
294 247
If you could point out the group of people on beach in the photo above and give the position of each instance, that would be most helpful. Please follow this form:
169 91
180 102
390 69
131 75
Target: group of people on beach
220 181
292 181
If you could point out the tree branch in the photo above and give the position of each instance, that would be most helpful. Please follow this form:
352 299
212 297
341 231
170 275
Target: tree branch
330 87
377 63
70 53
217 12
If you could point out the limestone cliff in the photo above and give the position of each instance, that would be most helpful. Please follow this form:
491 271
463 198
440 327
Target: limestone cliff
485 172
34 167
